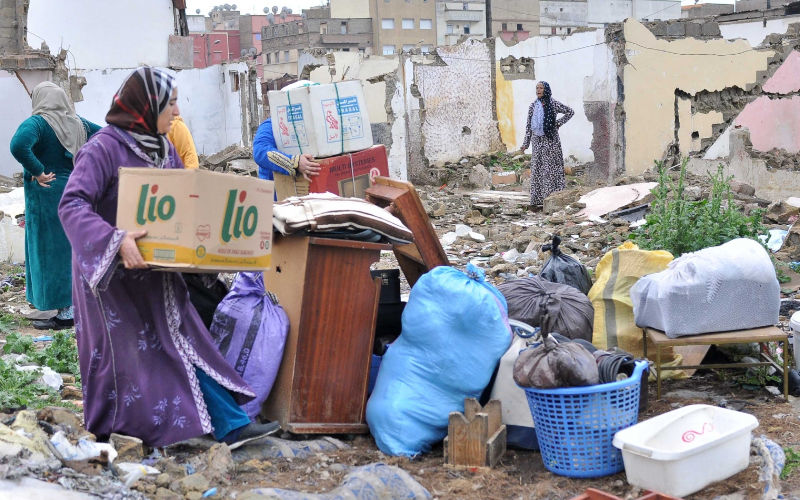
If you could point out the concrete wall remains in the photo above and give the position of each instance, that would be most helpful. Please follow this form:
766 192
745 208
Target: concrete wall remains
95 40
657 71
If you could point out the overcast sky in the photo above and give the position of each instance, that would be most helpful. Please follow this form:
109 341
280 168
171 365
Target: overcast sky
251 7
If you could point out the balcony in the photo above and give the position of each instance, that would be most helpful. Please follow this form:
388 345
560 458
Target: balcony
351 38
464 15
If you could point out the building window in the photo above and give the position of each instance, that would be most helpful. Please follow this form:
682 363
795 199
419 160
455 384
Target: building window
346 49
323 28
425 24
504 27
553 31
466 29
464 6
361 50
519 27
387 24
269 59
343 28
285 56
276 58
234 81
569 30
258 36
408 47
408 24
449 29
388 50
426 49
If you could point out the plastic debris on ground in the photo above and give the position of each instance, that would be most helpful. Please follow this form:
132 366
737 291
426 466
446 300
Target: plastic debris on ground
85 448
774 240
367 482
132 472
773 460
272 447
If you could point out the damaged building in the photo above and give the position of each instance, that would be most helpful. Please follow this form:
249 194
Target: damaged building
642 92
721 89
89 58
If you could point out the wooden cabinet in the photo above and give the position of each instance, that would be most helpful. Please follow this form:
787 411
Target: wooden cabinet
332 301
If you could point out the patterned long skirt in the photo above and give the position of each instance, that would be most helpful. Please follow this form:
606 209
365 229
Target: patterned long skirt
547 167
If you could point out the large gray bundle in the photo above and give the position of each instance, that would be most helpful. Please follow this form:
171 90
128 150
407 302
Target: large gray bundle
569 311
728 287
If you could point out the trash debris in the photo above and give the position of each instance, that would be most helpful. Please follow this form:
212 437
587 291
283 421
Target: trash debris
607 199
85 448
363 483
271 447
132 472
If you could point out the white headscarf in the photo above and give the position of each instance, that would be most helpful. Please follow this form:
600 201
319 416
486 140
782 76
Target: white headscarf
51 103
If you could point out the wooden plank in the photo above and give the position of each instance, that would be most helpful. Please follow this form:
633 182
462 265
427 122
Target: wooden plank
496 446
692 355
401 199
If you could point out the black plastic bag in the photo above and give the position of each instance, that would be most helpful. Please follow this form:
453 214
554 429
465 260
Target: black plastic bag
205 298
561 268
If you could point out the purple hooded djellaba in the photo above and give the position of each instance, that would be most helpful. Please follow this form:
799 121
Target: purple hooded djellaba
139 337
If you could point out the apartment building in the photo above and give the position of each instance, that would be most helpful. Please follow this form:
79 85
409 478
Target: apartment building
397 25
460 19
515 20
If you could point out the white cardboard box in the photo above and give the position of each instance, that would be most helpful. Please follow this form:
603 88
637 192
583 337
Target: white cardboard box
323 120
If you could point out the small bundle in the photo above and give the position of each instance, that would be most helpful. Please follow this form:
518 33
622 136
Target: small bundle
553 365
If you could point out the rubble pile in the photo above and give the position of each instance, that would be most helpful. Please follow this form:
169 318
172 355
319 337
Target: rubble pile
495 228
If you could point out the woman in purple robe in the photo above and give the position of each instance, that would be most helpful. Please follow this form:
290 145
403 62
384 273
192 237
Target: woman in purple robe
149 366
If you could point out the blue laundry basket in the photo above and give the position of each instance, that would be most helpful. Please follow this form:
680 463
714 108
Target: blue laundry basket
575 425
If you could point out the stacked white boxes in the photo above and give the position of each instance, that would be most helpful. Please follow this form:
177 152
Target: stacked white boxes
322 120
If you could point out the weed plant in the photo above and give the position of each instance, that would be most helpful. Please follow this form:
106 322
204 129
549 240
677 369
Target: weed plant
680 225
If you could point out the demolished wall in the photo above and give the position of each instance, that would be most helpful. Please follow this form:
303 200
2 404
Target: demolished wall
103 34
657 68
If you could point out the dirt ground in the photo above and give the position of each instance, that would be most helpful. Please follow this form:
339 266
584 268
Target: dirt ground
520 474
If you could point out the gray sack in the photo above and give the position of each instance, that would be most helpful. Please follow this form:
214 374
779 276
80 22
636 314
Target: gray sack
570 311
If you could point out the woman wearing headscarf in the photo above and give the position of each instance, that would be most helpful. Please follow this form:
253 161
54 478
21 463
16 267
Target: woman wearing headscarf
149 366
45 144
541 133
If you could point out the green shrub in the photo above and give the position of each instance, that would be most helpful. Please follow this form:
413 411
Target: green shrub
679 225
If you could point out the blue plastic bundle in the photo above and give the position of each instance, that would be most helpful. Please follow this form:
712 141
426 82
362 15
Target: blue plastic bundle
455 330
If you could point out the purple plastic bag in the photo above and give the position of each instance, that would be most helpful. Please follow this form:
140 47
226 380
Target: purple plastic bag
250 329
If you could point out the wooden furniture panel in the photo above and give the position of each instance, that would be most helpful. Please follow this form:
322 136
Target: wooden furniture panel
755 335
401 200
331 299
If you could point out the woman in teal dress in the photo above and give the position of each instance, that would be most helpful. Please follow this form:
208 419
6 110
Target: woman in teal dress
45 145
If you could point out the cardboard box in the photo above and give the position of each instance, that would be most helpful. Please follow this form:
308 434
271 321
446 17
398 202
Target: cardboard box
198 220
347 175
322 120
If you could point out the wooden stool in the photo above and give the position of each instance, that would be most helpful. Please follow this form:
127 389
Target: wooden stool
758 335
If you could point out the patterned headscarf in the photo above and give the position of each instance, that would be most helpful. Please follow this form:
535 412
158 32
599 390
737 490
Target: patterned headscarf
549 112
137 104
51 103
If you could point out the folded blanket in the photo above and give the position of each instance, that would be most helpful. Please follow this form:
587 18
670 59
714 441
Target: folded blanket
320 212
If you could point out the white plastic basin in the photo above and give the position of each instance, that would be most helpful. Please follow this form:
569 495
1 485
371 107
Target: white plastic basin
685 450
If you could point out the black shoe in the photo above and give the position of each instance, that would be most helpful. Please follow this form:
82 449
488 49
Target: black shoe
53 323
253 431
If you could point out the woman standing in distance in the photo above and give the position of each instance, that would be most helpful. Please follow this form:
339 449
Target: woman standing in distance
45 144
541 133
